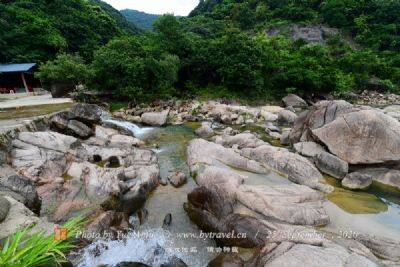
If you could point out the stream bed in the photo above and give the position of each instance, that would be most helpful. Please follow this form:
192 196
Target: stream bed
375 211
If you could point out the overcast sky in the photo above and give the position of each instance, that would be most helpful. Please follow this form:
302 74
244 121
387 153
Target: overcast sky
178 7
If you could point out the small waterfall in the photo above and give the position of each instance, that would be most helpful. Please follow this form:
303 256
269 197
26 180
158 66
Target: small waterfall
128 126
149 247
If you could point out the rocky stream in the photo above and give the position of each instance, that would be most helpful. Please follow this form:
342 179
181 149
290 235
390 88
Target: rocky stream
211 184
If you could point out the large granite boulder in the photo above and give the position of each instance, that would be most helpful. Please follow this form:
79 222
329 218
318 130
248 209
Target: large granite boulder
356 134
363 137
321 113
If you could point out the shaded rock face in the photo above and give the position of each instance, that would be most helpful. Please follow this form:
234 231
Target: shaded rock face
79 129
4 208
155 118
297 168
24 189
295 101
356 180
87 113
320 114
332 165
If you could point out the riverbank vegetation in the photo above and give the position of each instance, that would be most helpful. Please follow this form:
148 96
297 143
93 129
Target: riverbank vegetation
39 249
225 49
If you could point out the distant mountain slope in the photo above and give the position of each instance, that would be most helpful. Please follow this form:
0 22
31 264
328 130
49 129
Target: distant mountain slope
37 30
122 22
141 19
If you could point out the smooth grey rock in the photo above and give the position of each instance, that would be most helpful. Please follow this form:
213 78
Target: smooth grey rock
328 254
297 168
386 176
275 135
294 204
385 248
332 165
202 152
18 217
268 116
295 101
356 180
155 118
308 149
241 140
205 130
286 117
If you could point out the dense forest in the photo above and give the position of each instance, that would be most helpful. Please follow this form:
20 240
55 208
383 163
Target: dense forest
142 20
224 48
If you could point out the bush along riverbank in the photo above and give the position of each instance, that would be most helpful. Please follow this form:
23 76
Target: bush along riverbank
275 181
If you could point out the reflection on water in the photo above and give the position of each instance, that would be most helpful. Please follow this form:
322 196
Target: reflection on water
374 211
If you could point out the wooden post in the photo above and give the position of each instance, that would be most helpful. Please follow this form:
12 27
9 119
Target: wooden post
24 81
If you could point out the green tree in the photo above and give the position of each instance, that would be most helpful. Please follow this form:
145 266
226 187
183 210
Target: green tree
65 68
133 71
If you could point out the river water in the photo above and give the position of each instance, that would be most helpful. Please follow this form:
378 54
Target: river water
376 211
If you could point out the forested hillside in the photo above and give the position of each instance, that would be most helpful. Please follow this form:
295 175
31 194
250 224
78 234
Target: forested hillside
36 30
141 19
249 49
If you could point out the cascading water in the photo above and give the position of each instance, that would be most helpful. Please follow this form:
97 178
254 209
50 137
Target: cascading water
127 126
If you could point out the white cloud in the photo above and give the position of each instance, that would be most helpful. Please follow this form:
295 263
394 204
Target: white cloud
178 7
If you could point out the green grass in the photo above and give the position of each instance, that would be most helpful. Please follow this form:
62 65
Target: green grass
114 106
23 249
